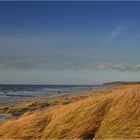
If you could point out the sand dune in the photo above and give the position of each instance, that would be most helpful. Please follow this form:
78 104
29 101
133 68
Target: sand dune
114 114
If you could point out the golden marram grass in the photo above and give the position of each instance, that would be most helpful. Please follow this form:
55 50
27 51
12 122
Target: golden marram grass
108 115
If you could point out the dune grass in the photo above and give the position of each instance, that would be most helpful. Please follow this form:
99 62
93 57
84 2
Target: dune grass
113 115
3 109
40 104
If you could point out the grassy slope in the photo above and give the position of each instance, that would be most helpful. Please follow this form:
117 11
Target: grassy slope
108 115
40 104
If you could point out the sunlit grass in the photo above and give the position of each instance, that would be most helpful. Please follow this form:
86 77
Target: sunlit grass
108 114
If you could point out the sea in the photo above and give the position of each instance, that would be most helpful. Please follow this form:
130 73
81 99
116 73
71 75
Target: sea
20 91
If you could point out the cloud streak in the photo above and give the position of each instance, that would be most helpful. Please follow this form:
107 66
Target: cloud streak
21 64
50 65
119 67
94 66
104 66
117 31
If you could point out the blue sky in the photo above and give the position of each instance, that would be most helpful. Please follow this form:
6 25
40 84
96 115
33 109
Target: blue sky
69 42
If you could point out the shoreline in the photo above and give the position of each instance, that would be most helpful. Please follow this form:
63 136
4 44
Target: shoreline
18 106
11 100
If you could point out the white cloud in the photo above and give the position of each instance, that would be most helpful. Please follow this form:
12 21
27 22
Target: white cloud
104 66
21 64
121 67
117 31
137 67
46 65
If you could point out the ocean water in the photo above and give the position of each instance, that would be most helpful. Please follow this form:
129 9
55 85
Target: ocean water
20 91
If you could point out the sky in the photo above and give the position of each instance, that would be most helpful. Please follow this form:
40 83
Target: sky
53 42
